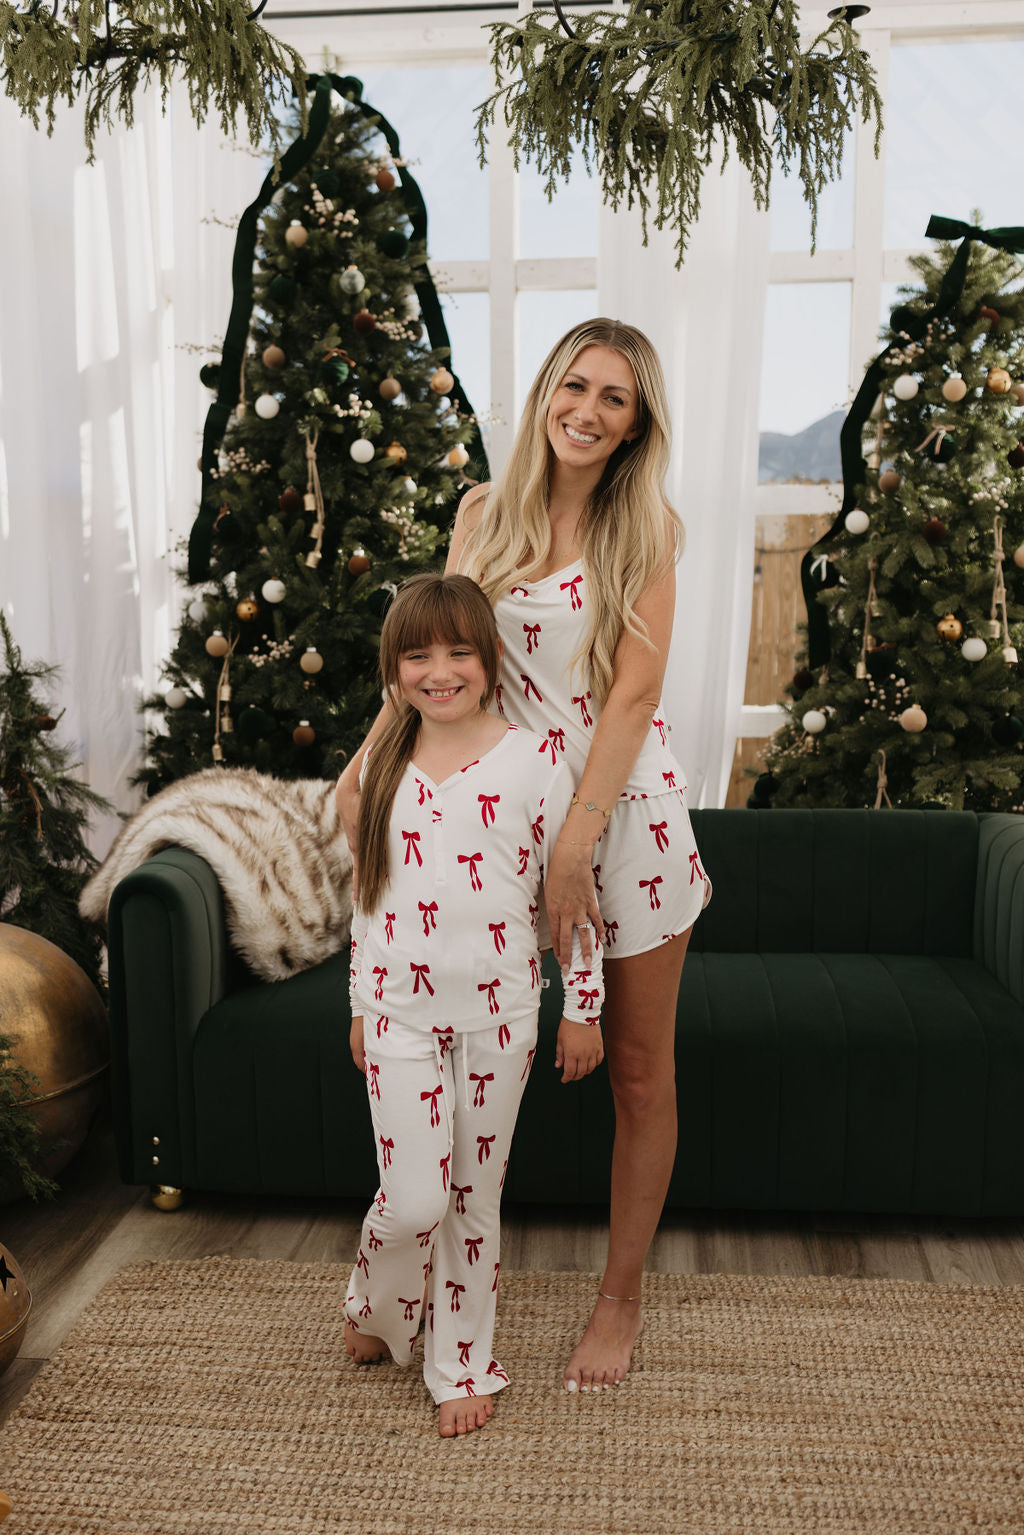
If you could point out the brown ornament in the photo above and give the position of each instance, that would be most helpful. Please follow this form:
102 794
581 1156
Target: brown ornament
273 356
441 381
217 645
389 388
45 722
998 381
311 660
934 531
396 453
458 456
1018 393
1015 457
385 180
954 389
888 482
913 719
358 562
364 322
290 501
296 235
247 610
949 627
304 734
1018 556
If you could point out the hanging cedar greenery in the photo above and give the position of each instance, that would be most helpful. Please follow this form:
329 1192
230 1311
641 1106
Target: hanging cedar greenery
653 96
104 53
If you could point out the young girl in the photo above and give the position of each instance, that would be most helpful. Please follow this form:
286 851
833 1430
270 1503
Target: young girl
458 814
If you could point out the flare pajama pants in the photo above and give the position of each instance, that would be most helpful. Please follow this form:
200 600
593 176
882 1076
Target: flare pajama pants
443 1106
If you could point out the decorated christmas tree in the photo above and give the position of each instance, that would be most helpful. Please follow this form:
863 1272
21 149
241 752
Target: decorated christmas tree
909 692
334 456
44 814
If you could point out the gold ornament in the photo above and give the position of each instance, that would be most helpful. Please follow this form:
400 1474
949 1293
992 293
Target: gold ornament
389 388
998 381
166 1197
247 610
458 456
950 627
441 381
296 235
59 1026
311 660
359 562
954 389
396 453
303 734
15 1305
217 645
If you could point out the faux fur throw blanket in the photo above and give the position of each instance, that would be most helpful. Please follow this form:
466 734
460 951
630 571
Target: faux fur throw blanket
277 848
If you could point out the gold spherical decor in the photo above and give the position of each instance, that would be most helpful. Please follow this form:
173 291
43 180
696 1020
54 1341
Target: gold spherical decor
396 453
998 381
58 1027
166 1197
950 627
15 1305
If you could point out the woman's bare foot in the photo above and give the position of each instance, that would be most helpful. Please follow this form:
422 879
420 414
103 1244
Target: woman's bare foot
603 1354
464 1415
363 1347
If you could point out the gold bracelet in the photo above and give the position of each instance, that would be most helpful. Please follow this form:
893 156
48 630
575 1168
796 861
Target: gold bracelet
588 805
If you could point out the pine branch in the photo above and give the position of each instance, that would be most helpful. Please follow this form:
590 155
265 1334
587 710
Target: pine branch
104 54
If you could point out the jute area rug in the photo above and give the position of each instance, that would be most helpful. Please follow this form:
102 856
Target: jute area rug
214 1398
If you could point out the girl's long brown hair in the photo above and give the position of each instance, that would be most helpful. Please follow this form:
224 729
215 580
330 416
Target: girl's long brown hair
429 609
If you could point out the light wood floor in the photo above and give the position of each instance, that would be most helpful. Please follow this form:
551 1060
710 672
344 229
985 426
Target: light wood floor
69 1248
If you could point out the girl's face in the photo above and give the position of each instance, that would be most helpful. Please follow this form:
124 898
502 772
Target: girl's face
594 409
444 681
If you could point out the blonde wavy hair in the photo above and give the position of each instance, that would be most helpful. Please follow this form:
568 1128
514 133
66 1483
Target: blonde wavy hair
629 534
429 609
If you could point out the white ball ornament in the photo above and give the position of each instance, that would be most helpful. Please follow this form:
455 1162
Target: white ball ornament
273 590
974 649
814 722
913 720
905 387
175 698
856 521
266 407
197 609
954 389
352 280
362 450
296 234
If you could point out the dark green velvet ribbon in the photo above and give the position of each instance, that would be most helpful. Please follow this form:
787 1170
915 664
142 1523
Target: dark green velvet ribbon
295 159
908 323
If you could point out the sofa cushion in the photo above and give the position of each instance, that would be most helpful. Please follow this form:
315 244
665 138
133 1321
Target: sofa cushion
848 1082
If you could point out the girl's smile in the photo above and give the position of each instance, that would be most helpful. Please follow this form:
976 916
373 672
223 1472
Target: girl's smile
443 681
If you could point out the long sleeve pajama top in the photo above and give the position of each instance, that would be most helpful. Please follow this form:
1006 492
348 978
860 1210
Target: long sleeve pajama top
452 942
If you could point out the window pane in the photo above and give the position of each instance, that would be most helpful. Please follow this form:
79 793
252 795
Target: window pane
543 318
468 318
566 226
432 110
791 217
952 136
804 380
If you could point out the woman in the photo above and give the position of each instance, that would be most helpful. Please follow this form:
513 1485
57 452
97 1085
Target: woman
576 548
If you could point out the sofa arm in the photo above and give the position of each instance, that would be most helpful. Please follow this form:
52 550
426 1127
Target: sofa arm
999 900
169 962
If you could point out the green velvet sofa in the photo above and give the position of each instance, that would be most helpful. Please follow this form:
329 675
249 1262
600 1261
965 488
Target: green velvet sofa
849 1035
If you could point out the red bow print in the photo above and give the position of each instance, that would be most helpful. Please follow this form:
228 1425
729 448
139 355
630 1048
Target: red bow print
574 596
537 827
422 974
532 632
650 885
497 699
412 845
504 1035
447 1038
534 973
487 804
423 1237
490 987
387 1147
460 1197
584 711
475 883
494 1368
410 1307
467 1383
425 793
373 1241
498 934
611 930
473 1245
660 727
695 868
429 913
481 1083
670 779
529 683
524 859
362 1263
380 972
660 830
587 999
435 1117
464 1349
457 1290
445 1165
529 1063
374 1071
484 1144
365 1310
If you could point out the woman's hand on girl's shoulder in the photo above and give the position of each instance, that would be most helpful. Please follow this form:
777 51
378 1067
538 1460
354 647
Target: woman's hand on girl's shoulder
466 518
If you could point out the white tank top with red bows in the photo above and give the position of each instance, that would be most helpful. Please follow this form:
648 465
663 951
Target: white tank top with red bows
542 626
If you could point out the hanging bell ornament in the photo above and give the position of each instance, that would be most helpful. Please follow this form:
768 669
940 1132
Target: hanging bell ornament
396 453
441 381
273 356
998 381
913 720
861 671
888 482
351 280
303 734
359 562
954 389
993 628
247 610
1009 655
905 387
296 234
217 645
949 627
389 388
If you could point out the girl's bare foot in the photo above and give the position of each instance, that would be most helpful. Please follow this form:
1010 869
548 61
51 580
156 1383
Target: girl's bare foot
603 1354
464 1415
363 1347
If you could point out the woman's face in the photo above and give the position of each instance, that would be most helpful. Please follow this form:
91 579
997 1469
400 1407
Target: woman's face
594 409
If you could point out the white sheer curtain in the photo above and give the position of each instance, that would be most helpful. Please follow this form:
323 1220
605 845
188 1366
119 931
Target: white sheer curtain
706 321
108 274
